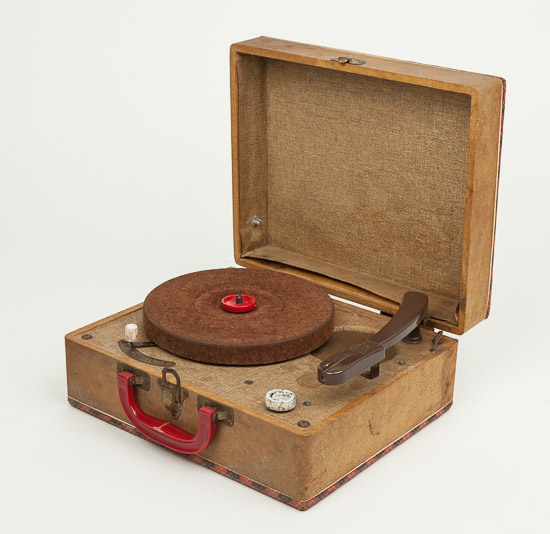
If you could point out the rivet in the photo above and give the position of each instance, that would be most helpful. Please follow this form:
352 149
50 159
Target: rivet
248 382
256 221
87 336
303 423
400 362
307 403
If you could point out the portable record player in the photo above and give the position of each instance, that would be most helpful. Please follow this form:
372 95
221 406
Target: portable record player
361 177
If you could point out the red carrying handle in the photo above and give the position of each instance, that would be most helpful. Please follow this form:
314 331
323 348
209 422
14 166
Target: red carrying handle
163 432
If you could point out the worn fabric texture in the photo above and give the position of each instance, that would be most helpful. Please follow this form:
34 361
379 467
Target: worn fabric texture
357 178
185 316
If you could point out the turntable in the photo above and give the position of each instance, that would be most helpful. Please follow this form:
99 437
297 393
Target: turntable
363 178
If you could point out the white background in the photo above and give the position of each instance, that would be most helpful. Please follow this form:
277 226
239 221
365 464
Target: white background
115 142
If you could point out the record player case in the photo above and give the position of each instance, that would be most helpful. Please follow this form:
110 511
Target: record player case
369 177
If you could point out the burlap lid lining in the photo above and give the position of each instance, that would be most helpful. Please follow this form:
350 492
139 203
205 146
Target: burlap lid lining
358 178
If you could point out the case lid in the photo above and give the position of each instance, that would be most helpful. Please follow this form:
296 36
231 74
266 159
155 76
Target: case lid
366 175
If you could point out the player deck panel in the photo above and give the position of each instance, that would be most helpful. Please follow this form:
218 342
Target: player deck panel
298 375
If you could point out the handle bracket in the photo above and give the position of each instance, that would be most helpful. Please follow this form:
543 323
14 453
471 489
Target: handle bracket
224 414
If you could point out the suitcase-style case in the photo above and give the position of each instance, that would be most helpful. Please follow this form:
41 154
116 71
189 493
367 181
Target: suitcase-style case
369 177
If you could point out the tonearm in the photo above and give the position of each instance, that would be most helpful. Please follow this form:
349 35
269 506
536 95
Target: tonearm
366 357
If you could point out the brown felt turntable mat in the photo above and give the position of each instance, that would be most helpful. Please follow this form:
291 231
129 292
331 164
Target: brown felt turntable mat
185 316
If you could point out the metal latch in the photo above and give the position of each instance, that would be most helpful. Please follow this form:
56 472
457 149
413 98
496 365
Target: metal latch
173 395
343 60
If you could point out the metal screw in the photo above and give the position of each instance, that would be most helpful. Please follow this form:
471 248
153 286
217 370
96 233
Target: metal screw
256 221
87 336
436 341
303 423
307 403
400 362
248 382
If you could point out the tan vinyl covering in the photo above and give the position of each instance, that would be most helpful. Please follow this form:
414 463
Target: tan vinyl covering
358 178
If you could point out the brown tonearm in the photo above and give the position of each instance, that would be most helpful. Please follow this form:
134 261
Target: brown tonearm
366 357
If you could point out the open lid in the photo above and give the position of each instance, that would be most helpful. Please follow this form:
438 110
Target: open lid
366 175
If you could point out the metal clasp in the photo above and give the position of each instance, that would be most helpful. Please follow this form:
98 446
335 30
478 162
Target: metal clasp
343 60
173 395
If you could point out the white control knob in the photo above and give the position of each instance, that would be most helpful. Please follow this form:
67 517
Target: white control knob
130 332
280 400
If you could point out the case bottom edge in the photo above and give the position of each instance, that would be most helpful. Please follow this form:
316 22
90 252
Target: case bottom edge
281 497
